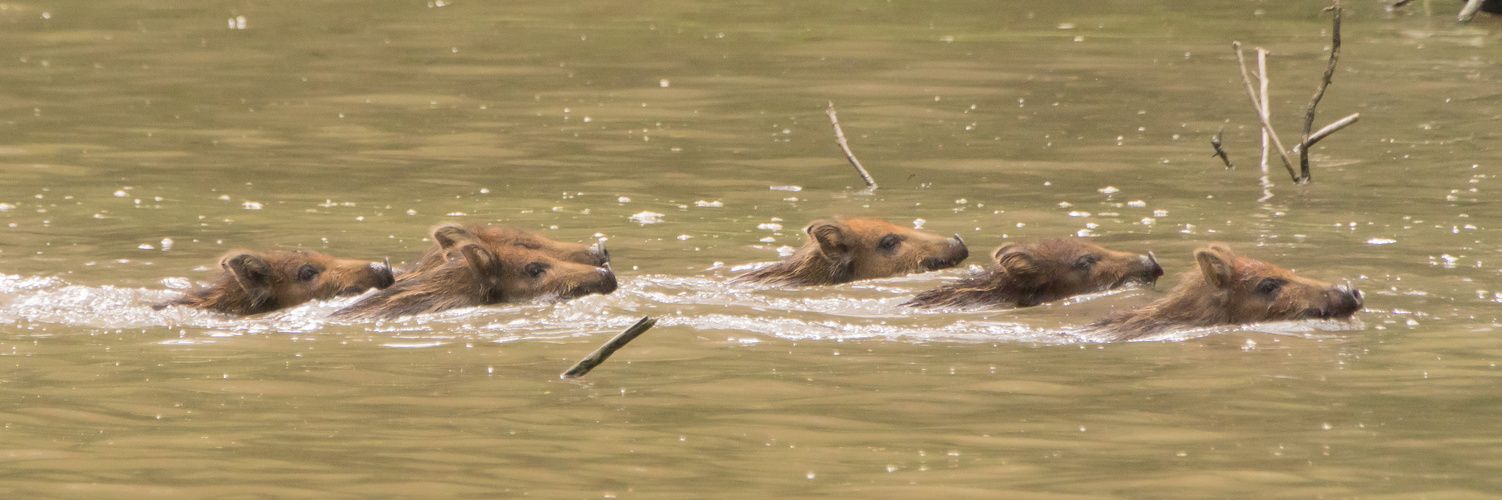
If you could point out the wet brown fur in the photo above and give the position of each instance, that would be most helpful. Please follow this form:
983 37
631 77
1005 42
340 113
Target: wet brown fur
1229 289
480 274
845 250
1028 274
498 238
258 282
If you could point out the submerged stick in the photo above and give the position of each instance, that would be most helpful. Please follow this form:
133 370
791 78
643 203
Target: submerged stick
1319 92
1257 105
1471 7
1263 97
1215 142
1331 128
615 344
839 138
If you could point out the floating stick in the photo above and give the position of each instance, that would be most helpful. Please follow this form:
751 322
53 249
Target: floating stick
839 138
1215 142
615 344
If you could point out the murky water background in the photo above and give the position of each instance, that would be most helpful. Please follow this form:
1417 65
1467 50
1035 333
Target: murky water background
352 127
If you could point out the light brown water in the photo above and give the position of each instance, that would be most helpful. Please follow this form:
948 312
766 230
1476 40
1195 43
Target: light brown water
352 127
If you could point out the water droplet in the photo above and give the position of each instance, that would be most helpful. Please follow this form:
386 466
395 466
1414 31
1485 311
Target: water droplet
647 218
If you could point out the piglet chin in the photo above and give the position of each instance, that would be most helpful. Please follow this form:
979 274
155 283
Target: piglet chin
935 264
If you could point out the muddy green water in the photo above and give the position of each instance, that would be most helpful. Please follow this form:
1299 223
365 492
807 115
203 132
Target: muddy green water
352 127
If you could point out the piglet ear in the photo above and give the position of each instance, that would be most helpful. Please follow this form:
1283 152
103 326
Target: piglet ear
485 263
1215 265
1222 249
252 273
1016 261
1001 251
830 236
450 235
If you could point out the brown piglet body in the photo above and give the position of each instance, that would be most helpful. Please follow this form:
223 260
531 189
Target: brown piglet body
498 239
1028 274
1229 289
258 282
478 274
845 250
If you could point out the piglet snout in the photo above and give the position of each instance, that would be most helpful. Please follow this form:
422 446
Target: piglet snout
1151 261
1347 300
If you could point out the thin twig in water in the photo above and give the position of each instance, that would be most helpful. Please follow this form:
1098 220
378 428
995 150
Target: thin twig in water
1266 180
1398 4
1471 7
1263 98
1331 128
839 138
615 344
1319 92
1215 141
1256 105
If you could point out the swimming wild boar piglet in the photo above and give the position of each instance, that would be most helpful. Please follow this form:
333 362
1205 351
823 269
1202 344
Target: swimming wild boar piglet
479 274
258 282
1230 289
497 238
845 250
1028 274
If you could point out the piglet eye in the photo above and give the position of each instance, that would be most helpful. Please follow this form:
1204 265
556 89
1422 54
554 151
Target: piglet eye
1086 262
1269 286
306 273
536 270
889 242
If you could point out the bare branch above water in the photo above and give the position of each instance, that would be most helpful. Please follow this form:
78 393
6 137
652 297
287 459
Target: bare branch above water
1319 92
1469 11
1331 128
1266 109
1266 123
839 138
